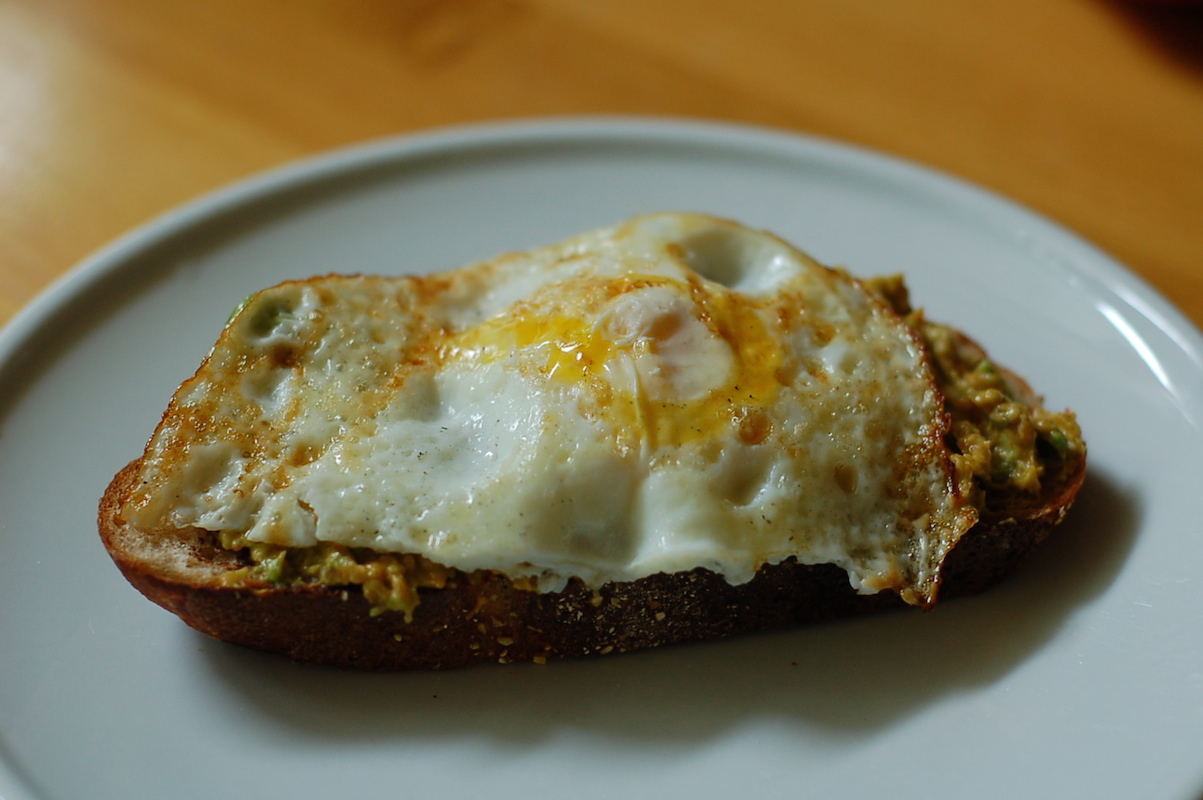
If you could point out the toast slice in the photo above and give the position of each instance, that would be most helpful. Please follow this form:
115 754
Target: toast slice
744 440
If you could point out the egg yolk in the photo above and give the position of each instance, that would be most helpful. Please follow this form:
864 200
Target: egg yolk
666 361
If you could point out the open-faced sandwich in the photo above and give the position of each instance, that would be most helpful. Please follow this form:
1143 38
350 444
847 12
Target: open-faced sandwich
673 429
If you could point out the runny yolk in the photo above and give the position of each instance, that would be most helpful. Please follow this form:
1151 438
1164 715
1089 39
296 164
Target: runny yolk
664 361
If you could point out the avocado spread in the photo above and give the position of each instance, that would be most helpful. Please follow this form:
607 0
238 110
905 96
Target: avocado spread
389 581
1001 438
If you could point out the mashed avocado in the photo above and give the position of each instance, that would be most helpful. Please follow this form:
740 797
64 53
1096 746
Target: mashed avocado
390 582
1001 438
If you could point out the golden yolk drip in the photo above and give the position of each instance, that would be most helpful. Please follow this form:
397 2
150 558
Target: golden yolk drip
557 335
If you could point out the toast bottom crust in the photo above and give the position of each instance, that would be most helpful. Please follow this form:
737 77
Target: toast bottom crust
484 617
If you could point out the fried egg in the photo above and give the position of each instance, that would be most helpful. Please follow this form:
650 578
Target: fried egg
671 393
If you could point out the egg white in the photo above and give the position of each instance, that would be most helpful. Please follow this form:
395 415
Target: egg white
674 392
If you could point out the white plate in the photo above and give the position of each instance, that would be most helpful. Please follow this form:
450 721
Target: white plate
1082 677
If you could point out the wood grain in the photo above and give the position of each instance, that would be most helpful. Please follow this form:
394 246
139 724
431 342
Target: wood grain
1089 111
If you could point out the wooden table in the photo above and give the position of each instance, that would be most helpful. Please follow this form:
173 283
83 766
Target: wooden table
1089 111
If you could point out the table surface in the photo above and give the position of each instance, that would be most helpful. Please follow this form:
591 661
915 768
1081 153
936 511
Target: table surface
1088 111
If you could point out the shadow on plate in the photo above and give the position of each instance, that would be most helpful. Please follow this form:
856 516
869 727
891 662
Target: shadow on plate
847 678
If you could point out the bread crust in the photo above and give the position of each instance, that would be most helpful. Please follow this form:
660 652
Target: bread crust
484 617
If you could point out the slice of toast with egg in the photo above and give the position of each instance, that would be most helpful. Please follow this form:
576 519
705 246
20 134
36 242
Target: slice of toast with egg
676 428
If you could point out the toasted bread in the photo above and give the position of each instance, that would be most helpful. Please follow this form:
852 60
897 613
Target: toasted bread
1013 470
